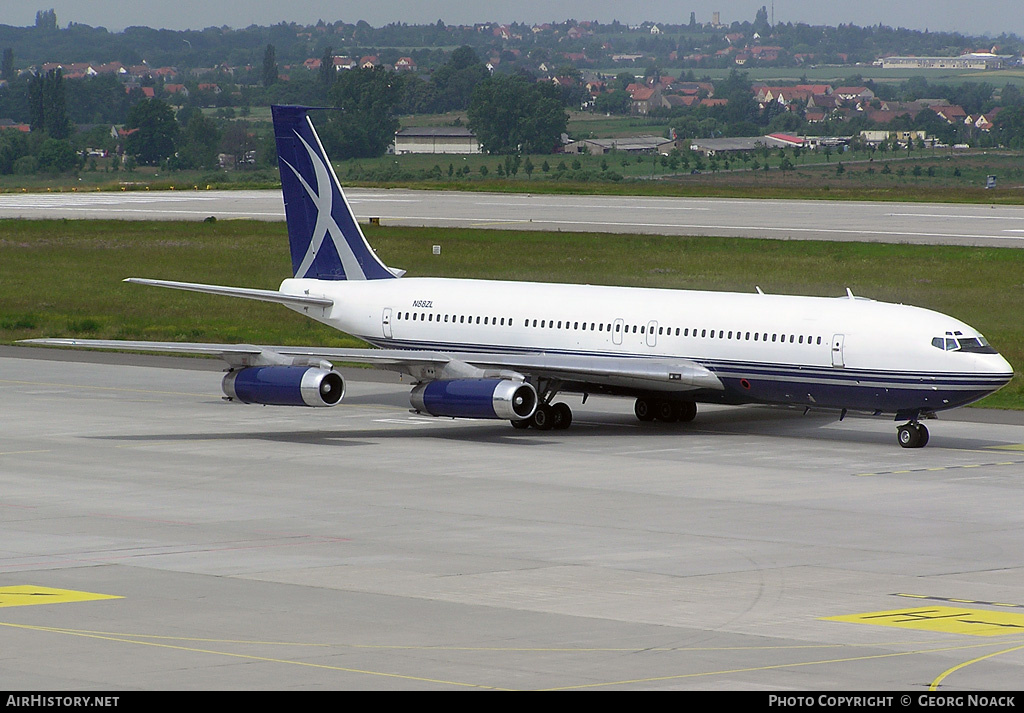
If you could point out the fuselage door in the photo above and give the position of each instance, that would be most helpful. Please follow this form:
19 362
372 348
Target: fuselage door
617 332
652 334
386 322
837 349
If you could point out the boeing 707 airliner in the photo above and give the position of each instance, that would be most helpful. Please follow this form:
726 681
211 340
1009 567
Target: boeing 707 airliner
505 350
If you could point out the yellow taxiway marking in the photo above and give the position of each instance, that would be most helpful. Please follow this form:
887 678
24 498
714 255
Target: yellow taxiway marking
949 620
248 657
935 684
153 640
1012 447
29 595
946 467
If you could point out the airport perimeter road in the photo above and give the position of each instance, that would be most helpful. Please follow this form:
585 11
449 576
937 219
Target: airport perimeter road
155 537
956 224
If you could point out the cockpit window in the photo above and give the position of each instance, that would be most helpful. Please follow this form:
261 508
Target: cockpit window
976 345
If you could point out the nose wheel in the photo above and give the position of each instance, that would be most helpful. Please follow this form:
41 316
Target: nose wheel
912 435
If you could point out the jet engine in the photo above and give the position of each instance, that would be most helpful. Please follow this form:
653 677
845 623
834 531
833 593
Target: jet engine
476 398
285 386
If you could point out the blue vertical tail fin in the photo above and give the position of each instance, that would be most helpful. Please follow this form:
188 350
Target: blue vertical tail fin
325 239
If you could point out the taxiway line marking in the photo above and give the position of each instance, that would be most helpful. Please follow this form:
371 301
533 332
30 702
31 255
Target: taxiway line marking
248 657
134 639
772 667
944 467
935 684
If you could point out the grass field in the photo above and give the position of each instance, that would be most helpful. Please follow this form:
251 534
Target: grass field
63 278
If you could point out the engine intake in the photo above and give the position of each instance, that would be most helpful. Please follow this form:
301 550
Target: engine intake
285 386
476 398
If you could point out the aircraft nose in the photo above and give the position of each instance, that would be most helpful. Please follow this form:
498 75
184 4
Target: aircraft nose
997 365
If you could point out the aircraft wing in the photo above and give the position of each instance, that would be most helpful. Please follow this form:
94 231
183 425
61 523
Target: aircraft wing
579 371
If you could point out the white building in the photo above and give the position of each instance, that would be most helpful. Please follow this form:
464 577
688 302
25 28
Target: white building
974 60
436 139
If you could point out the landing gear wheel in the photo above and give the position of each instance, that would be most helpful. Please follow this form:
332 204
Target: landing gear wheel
563 416
924 435
667 411
521 423
687 411
543 418
912 435
643 410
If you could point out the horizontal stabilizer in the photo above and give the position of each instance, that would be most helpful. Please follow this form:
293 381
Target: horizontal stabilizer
246 293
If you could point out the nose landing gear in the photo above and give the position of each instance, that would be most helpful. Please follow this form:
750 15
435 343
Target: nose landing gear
912 435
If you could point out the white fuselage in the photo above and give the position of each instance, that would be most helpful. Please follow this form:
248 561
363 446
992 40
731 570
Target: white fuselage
763 347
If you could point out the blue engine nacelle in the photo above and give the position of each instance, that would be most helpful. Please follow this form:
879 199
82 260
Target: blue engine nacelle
476 398
285 386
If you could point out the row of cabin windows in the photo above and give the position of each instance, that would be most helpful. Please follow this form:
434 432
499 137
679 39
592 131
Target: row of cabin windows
453 319
601 327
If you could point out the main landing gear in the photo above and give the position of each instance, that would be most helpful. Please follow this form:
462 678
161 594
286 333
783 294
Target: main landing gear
548 416
912 435
558 416
668 411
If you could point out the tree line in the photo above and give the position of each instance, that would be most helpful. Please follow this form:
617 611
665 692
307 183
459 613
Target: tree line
511 113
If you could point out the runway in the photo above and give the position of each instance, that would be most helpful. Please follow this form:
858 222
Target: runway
157 537
943 224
